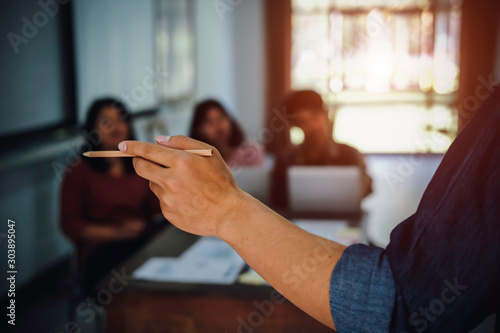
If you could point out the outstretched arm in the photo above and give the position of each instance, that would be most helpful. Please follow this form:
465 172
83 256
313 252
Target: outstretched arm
296 263
199 195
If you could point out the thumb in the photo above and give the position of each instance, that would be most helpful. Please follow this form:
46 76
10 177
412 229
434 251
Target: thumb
181 142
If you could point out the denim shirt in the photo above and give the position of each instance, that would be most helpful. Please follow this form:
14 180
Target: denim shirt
441 269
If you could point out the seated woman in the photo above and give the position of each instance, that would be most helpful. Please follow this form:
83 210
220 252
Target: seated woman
213 125
105 205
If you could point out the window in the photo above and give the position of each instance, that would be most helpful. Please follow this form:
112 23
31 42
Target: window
387 69
175 50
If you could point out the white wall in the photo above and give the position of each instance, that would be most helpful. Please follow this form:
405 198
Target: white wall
113 51
230 65
249 39
114 46
215 54
214 65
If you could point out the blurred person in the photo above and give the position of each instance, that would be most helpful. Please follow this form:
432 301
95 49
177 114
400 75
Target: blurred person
306 111
105 206
213 125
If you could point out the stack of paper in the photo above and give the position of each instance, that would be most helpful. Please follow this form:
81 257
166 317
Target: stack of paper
253 278
209 260
334 230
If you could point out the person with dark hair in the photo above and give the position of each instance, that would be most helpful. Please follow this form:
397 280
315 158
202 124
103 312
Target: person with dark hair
306 111
213 125
105 206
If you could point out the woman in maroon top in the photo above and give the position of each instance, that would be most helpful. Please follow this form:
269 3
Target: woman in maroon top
105 205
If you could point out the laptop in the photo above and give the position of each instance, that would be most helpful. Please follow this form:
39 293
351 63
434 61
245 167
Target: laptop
255 180
332 189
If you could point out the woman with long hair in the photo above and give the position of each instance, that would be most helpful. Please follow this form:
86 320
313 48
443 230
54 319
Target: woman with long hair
212 124
105 205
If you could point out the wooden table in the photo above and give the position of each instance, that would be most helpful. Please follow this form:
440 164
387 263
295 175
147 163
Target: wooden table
144 306
168 307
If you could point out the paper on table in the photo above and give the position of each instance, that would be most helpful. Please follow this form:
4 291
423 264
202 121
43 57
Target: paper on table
335 230
209 260
211 248
253 278
213 271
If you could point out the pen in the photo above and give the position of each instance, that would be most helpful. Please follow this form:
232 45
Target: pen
117 153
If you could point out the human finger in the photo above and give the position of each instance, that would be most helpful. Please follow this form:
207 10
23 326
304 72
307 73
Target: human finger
156 153
181 142
149 170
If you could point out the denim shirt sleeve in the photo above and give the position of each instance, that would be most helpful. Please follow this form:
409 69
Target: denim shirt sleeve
362 291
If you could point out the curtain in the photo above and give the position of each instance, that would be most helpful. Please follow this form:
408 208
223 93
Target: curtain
477 54
278 53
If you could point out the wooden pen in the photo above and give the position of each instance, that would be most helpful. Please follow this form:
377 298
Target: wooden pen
117 153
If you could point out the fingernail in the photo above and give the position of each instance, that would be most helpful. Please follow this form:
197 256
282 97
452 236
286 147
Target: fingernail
162 138
122 146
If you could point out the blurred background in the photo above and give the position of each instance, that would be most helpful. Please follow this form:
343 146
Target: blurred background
398 78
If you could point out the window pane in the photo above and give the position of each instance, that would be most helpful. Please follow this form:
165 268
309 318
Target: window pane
310 5
388 4
310 52
446 52
396 128
381 59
